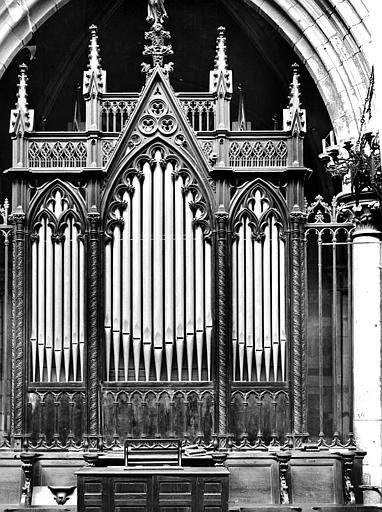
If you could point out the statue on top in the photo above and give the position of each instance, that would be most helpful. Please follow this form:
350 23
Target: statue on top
156 13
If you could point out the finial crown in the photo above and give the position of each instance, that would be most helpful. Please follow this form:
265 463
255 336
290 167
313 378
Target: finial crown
94 74
21 115
157 49
294 115
220 64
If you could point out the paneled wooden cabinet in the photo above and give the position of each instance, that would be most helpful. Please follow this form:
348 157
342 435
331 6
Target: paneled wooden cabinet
153 489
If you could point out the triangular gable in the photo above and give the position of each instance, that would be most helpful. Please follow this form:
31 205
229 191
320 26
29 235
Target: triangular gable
158 117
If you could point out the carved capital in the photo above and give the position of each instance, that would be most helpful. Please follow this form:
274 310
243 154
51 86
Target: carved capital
367 217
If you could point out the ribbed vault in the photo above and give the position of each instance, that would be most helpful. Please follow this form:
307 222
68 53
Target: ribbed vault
331 37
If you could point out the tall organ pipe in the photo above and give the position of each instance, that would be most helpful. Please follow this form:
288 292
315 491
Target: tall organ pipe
169 268
126 279
158 265
136 278
147 268
179 275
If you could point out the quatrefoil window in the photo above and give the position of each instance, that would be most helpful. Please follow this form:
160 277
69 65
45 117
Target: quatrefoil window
158 108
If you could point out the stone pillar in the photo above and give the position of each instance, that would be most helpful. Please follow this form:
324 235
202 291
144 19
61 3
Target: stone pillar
367 358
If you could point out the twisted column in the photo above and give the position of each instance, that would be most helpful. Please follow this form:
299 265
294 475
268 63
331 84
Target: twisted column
222 331
92 352
18 355
298 352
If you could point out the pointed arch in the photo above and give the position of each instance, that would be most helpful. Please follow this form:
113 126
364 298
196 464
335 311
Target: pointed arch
57 247
158 270
258 262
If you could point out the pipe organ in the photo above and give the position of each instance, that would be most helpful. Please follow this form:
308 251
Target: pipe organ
158 312
158 287
258 291
57 337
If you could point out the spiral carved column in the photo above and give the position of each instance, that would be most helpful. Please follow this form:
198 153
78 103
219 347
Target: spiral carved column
92 346
298 352
222 328
18 358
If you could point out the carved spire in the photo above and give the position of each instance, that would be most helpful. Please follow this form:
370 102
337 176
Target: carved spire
294 116
157 49
21 116
221 75
95 76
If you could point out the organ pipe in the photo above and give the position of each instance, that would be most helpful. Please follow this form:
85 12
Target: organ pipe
169 268
161 258
258 297
136 277
57 324
147 326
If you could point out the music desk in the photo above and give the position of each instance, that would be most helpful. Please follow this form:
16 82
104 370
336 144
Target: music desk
152 489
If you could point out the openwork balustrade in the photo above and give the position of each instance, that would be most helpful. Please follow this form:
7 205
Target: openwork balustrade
258 153
115 112
57 154
201 113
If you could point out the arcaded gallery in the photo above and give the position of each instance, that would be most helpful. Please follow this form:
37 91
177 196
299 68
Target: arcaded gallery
190 230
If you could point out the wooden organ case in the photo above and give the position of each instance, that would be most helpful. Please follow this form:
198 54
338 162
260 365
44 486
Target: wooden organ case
158 281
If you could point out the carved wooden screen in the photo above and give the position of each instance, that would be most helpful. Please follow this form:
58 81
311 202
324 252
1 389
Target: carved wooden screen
258 291
57 336
158 316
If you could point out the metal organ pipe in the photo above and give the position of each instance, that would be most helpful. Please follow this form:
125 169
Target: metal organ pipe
116 296
34 310
136 277
169 318
190 304
49 305
41 298
108 307
75 296
179 275
57 295
126 278
147 298
161 258
258 296
158 265
249 298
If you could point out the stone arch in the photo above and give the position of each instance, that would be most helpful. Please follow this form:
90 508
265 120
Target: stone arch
331 38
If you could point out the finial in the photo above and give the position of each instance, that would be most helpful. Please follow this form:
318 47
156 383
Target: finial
21 111
294 115
241 120
156 15
221 55
22 95
221 64
294 88
94 73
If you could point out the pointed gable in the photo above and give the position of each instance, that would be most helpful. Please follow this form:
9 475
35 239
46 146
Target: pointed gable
158 117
